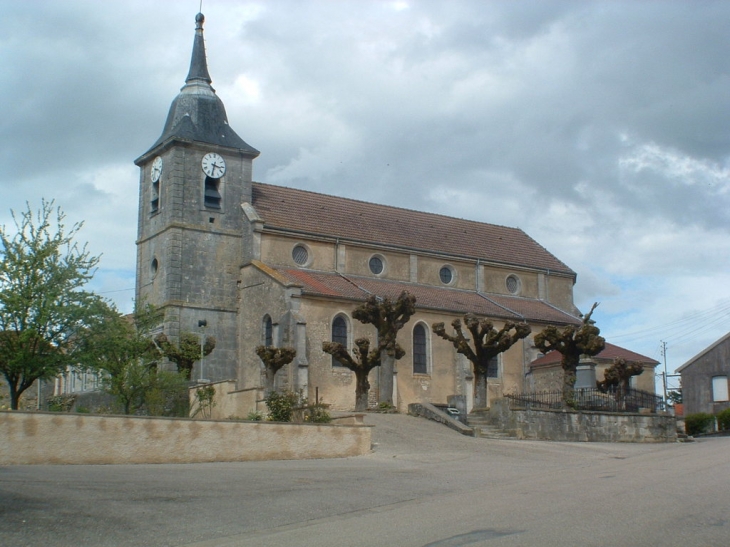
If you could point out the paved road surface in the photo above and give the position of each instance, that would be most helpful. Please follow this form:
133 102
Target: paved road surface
423 486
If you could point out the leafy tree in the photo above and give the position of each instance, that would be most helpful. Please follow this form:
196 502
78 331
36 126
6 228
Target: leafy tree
571 342
488 342
388 318
123 350
187 352
675 397
618 376
274 359
361 364
44 311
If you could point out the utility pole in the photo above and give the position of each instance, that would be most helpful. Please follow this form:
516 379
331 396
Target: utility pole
202 323
664 355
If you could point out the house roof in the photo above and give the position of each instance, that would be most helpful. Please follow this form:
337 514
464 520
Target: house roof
609 353
294 210
349 287
703 352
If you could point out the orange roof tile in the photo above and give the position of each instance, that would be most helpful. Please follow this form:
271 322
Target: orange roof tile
609 353
329 284
351 220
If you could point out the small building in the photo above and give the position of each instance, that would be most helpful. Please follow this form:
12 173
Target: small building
546 374
705 379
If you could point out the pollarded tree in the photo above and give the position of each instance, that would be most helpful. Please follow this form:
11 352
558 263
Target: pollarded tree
618 375
571 342
388 318
361 364
274 359
187 352
44 311
488 343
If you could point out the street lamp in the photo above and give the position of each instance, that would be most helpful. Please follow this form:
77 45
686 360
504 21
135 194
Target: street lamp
202 323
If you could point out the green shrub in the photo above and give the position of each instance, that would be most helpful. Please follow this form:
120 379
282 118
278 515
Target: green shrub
316 413
281 405
205 398
700 422
723 419
61 403
255 416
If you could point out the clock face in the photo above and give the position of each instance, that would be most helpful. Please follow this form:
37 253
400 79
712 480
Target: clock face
213 165
156 169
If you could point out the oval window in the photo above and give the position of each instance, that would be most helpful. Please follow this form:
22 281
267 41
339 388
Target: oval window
300 254
446 275
376 265
513 284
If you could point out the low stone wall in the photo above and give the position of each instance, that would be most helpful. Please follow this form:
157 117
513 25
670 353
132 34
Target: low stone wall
567 425
230 403
56 438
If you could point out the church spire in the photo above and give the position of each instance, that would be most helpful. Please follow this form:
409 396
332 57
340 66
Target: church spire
198 62
197 113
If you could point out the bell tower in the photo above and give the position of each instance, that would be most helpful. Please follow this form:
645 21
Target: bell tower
193 181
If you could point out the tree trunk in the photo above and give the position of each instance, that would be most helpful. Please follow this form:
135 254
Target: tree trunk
269 382
480 389
569 375
14 398
362 388
385 393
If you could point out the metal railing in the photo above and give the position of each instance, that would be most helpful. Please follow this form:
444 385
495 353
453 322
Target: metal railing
611 400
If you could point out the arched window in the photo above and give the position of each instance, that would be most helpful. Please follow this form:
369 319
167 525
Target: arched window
268 332
212 193
493 368
155 199
420 351
339 334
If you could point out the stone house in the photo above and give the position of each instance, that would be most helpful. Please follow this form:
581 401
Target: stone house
546 374
705 379
254 263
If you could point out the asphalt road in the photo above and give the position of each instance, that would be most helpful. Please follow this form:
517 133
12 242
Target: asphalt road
423 486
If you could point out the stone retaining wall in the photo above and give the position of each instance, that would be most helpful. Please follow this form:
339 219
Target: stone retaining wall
568 425
57 438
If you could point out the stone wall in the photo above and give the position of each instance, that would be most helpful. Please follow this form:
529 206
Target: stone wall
567 425
56 438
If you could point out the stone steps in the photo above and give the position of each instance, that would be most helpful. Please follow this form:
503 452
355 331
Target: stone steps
482 428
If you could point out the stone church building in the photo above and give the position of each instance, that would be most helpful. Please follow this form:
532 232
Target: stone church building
253 263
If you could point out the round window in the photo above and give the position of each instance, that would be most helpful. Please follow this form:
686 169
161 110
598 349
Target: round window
446 274
300 254
513 284
153 267
376 265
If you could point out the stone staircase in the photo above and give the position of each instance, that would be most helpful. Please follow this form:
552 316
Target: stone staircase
482 428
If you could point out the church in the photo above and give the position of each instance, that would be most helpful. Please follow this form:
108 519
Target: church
255 264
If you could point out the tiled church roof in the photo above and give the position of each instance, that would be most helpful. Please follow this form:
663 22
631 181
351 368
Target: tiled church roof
329 284
351 220
609 353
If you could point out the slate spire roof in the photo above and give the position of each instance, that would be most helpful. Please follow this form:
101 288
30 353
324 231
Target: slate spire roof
197 113
198 62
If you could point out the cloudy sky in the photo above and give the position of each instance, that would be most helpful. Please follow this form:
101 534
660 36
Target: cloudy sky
600 128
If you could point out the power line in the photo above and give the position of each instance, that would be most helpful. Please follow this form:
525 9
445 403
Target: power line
118 290
712 316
